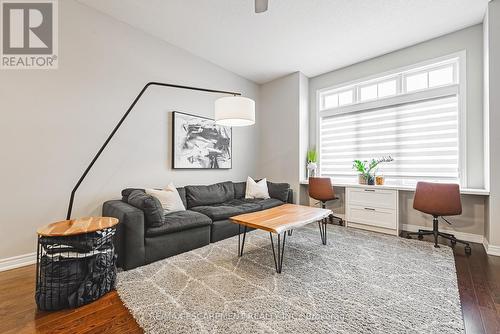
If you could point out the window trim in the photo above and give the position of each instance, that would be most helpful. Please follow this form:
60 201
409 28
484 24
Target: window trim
459 88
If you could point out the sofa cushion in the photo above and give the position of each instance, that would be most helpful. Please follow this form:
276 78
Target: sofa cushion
227 209
239 189
127 191
179 221
182 194
151 206
209 195
265 203
278 190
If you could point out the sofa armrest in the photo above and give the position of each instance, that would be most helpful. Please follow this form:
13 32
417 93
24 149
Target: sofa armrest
129 238
290 196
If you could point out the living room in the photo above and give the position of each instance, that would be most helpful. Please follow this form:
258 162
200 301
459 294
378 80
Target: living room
254 165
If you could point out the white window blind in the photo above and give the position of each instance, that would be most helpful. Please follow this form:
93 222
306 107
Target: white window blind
422 137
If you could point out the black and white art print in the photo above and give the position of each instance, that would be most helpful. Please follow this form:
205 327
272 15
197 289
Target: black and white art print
200 143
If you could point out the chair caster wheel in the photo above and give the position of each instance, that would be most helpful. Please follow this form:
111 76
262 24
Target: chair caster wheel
341 222
453 242
468 250
420 237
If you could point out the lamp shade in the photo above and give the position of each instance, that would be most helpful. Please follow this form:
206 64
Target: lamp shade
235 111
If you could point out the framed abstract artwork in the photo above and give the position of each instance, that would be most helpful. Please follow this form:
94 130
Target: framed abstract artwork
199 143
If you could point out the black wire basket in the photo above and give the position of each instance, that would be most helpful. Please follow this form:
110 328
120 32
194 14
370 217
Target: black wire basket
74 270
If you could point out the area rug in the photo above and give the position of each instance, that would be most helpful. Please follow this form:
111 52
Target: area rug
361 282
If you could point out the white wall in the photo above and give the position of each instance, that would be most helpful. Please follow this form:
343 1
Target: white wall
469 39
492 115
283 115
53 122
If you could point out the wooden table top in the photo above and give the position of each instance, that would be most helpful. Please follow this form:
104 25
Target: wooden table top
281 218
76 226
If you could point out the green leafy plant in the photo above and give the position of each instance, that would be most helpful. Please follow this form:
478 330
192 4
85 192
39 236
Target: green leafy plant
368 168
360 166
312 156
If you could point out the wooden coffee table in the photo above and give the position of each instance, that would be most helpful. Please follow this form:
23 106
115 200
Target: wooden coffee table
280 220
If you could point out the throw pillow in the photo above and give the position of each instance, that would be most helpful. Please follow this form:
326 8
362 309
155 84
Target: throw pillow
153 211
256 189
168 197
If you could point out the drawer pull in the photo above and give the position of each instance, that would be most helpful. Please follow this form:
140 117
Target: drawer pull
372 190
370 209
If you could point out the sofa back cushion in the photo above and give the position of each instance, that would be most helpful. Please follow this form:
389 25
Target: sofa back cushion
208 195
278 190
239 189
150 205
127 191
182 194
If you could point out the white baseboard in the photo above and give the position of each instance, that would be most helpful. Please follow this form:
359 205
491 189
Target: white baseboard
459 235
491 249
17 261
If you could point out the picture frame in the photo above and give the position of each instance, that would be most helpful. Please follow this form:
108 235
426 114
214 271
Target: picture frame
199 143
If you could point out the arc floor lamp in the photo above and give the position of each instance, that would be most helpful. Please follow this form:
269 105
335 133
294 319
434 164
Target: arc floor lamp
234 110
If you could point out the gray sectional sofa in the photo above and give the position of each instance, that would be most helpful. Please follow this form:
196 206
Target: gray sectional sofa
146 234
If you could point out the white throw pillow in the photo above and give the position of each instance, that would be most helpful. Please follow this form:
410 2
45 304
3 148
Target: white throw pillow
168 197
256 189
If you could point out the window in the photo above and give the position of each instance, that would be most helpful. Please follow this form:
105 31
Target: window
411 115
421 78
416 82
387 88
345 98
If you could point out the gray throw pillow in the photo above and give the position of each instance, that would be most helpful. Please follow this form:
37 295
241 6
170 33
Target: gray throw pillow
127 191
150 205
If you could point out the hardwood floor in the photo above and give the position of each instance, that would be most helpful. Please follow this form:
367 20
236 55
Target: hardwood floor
478 281
479 286
19 314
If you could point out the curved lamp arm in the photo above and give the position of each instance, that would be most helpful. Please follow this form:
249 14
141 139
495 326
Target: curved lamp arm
89 167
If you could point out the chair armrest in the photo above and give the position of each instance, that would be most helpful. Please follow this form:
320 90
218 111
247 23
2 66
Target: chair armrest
129 238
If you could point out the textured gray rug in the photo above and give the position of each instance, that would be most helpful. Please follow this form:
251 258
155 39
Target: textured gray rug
361 282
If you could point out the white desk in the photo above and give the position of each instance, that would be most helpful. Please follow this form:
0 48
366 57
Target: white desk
376 208
463 191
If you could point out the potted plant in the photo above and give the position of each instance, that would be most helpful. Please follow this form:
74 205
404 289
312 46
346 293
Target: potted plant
312 163
367 169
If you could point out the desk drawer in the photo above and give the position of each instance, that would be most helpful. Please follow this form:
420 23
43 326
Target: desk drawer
373 216
373 198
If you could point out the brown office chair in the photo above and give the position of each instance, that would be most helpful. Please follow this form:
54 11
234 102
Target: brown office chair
321 189
438 200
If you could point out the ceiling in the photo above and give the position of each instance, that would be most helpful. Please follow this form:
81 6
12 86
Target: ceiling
311 36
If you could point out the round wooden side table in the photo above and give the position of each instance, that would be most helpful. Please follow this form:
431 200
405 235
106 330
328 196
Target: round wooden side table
76 262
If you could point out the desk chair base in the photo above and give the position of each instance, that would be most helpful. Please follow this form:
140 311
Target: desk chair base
331 217
435 232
